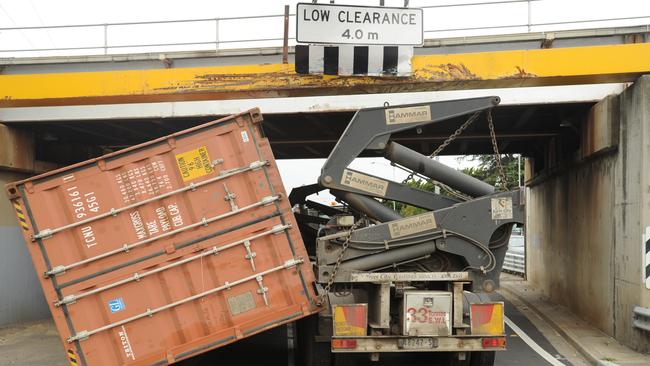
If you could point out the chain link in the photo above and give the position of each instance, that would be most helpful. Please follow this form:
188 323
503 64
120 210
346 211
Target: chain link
495 147
448 141
502 175
339 259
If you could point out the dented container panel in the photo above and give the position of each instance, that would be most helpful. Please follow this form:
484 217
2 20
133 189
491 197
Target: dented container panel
168 249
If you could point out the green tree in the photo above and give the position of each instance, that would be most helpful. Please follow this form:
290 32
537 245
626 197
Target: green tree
486 171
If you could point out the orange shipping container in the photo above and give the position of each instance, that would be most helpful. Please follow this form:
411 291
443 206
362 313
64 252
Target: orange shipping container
168 249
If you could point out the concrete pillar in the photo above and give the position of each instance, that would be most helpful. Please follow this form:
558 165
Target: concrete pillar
16 149
632 213
21 297
587 218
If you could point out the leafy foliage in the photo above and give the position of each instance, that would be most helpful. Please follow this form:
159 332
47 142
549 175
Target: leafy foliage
486 170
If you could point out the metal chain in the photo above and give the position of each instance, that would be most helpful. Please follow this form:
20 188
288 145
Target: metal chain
448 141
339 259
497 155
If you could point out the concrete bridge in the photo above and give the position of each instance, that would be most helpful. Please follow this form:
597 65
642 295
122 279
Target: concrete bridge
587 147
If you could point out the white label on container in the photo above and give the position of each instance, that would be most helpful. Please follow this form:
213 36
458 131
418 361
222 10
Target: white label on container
364 182
166 218
82 204
244 136
412 225
88 236
502 208
126 344
143 181
396 116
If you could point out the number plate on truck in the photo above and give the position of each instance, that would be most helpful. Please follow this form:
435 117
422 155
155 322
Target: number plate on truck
417 343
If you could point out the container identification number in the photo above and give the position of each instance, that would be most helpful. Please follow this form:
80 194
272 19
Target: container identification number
82 203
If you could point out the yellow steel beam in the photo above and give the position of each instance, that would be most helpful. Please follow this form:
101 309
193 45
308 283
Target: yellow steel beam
561 66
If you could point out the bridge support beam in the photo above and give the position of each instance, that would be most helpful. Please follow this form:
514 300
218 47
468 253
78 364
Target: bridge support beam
517 68
588 218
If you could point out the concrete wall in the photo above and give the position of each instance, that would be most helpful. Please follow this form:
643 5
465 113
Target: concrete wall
632 213
21 297
586 220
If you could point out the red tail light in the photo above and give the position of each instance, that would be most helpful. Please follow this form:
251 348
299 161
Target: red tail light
344 343
494 342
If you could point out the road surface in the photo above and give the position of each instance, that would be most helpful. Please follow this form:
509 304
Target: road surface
271 349
35 344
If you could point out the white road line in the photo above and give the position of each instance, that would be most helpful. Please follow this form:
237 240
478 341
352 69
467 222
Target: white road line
536 347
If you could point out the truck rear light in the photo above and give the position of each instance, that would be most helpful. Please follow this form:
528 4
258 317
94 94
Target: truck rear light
350 320
344 343
494 342
487 318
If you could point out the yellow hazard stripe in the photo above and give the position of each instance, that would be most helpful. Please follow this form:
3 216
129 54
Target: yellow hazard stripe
21 216
72 358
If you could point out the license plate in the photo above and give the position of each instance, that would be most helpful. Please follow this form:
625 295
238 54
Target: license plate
417 343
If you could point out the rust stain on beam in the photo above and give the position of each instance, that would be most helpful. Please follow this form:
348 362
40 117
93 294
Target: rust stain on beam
541 67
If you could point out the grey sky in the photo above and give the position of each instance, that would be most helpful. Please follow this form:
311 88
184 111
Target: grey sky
20 13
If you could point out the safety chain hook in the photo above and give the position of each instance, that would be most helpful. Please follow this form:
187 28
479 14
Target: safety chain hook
339 259
495 147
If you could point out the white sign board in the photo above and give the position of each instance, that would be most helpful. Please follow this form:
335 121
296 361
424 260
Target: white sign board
360 25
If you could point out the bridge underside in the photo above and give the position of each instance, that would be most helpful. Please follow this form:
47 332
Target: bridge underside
522 129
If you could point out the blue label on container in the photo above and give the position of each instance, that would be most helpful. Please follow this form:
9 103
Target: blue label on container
116 305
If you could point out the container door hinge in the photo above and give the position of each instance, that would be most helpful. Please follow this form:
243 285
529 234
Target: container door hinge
29 187
80 336
55 271
257 164
43 234
70 299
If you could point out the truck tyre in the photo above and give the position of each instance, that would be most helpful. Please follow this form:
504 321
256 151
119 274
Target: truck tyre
308 352
482 358
452 359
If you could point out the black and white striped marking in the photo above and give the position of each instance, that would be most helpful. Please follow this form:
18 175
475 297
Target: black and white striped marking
354 60
646 262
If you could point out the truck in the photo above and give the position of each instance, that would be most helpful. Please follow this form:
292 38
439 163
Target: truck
405 284
162 251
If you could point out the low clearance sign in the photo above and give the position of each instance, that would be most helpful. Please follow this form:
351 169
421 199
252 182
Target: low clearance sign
361 25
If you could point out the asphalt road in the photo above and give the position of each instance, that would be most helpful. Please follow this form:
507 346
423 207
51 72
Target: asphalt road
271 349
36 344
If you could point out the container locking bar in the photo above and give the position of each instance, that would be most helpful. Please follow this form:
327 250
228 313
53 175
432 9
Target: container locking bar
70 299
126 247
46 233
84 334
